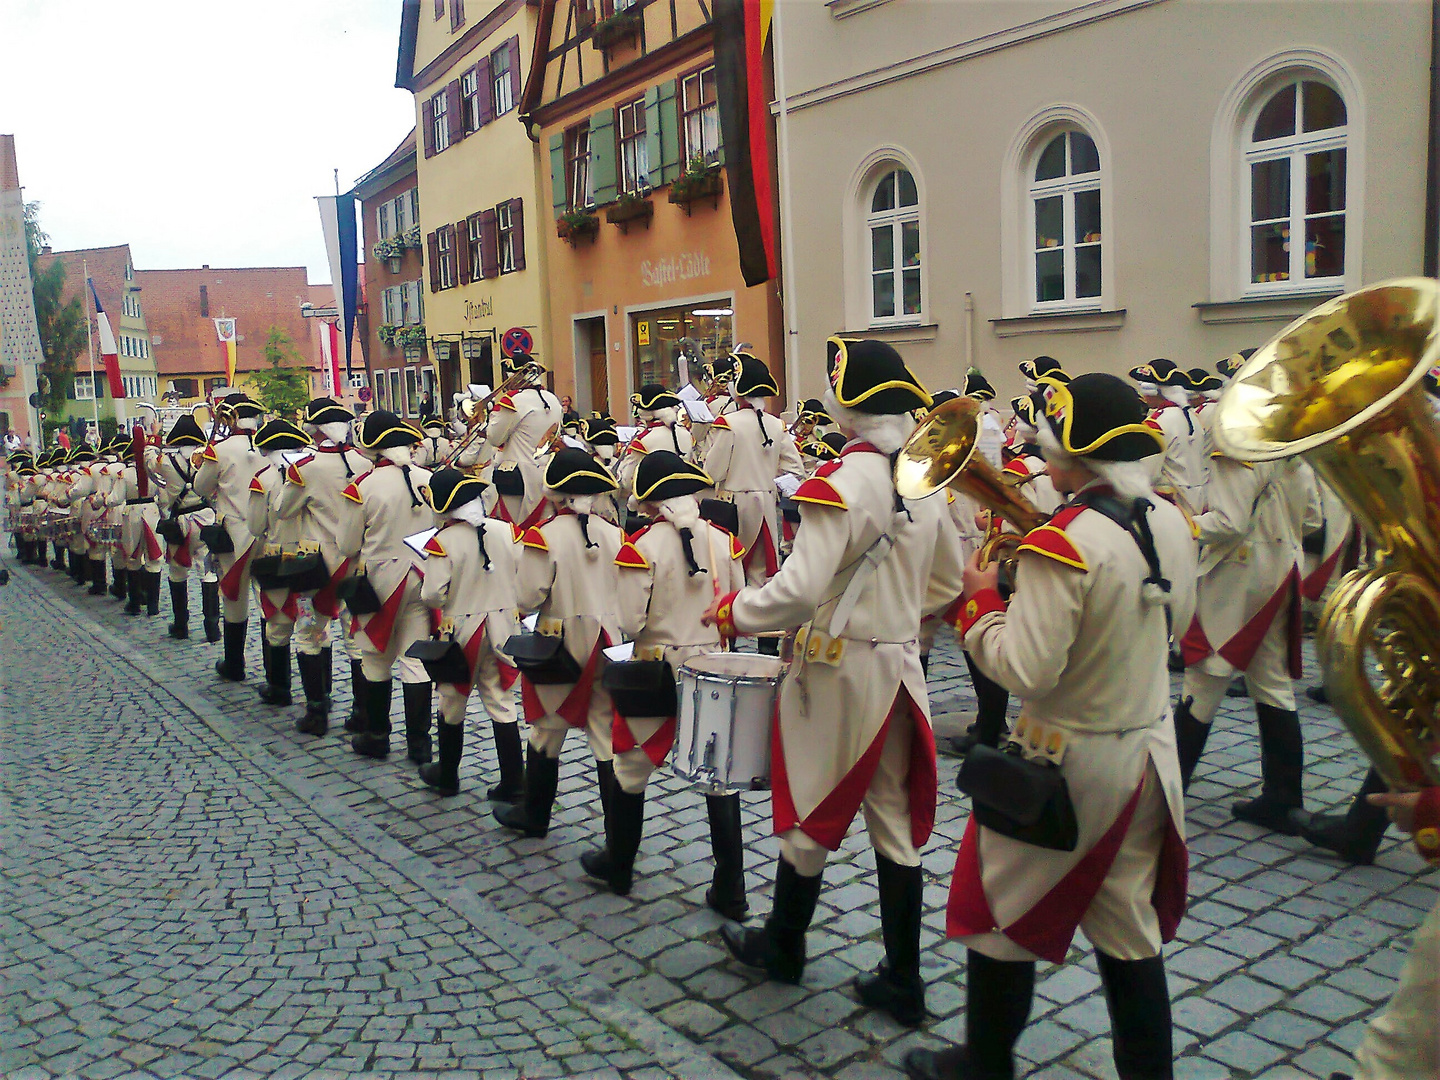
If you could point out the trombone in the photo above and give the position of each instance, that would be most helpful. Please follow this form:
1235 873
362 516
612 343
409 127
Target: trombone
476 416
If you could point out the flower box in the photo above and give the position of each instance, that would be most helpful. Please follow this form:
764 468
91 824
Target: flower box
577 225
692 187
622 26
631 208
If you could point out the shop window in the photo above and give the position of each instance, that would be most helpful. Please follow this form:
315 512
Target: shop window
669 346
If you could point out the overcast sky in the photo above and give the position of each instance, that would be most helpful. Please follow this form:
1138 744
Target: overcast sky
198 132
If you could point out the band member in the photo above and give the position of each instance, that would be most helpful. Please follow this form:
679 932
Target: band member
85 501
436 445
992 434
658 413
670 572
520 422
226 467
1182 471
603 442
568 577
80 486
110 491
389 508
470 575
1083 643
314 496
719 373
1041 367
1247 620
143 554
748 449
854 725
184 514
275 537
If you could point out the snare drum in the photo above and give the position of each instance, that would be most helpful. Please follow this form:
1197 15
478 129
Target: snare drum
727 703
107 534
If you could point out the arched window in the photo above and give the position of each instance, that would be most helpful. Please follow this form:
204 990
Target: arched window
1295 150
893 227
1065 225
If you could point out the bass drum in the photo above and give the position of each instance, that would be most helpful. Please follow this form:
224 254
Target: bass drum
727 704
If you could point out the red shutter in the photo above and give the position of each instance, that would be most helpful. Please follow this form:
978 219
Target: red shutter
517 221
489 245
439 9
454 115
427 127
513 47
462 251
451 253
485 105
432 249
457 14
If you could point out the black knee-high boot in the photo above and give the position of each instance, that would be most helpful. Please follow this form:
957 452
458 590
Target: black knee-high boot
992 700
210 609
355 723
152 592
997 1005
896 985
531 815
120 579
97 577
1356 834
374 741
58 562
614 864
779 946
443 774
1139 1004
417 698
180 608
511 753
316 720
726 894
276 690
231 667
79 568
134 589
1282 764
1190 738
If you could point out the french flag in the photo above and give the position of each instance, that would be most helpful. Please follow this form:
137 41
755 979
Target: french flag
108 352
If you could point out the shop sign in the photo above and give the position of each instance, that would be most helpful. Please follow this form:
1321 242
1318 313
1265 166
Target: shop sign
642 332
482 310
683 267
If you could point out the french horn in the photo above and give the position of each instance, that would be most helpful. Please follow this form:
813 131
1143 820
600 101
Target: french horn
941 452
1343 386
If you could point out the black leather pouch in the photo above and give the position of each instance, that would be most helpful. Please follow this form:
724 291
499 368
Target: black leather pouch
444 660
543 659
1020 798
359 595
642 688
217 538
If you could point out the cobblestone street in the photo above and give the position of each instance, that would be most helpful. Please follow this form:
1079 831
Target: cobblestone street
192 889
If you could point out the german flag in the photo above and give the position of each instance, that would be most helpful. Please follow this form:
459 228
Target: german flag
742 28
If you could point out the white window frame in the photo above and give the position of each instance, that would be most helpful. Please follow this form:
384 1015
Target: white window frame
387 305
84 388
634 153
445 247
440 122
855 221
413 199
398 212
704 119
505 238
1065 187
476 246
1230 174
894 219
502 98
470 99
1017 227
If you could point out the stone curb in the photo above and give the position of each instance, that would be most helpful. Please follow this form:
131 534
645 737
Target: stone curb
671 1050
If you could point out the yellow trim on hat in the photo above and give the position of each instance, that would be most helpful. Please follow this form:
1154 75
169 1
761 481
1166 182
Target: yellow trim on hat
838 379
1067 404
697 474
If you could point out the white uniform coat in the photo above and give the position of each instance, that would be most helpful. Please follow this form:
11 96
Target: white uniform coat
314 495
224 478
1086 656
179 498
834 716
1182 467
744 468
477 602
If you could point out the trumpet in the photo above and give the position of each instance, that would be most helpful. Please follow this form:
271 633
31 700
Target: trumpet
476 413
221 419
941 452
1344 386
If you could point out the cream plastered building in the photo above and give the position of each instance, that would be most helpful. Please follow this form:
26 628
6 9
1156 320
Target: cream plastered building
1105 183
479 178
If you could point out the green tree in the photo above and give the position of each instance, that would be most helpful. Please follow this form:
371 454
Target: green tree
285 387
62 324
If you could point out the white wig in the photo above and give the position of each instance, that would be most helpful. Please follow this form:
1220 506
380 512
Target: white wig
1130 479
886 432
400 455
1178 394
337 432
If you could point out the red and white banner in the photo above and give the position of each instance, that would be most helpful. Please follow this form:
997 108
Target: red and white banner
109 352
330 351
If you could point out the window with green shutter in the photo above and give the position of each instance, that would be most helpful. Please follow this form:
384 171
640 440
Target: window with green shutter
662 134
602 157
557 173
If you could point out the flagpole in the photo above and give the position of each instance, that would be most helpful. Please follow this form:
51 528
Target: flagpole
90 348
787 264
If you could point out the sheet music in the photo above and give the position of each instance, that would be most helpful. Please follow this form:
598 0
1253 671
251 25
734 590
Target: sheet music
417 541
627 433
530 622
620 653
788 485
699 412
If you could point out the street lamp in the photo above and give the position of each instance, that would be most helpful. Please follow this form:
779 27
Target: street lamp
441 348
414 353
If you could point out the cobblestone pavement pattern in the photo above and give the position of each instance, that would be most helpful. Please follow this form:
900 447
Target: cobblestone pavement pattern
167 908
1284 955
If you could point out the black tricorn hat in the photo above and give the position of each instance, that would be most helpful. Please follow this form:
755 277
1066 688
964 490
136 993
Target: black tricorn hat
1233 362
599 431
450 489
186 432
664 474
653 396
941 396
1100 416
433 424
814 408
280 434
826 447
754 378
574 472
1161 372
1041 365
1025 408
243 407
1201 381
721 368
978 387
870 377
118 444
382 430
324 410
81 454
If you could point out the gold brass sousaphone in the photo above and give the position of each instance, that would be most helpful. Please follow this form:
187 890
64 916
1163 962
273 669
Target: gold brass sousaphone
941 452
1344 386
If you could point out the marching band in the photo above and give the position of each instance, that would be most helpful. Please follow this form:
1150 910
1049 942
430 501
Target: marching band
613 580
